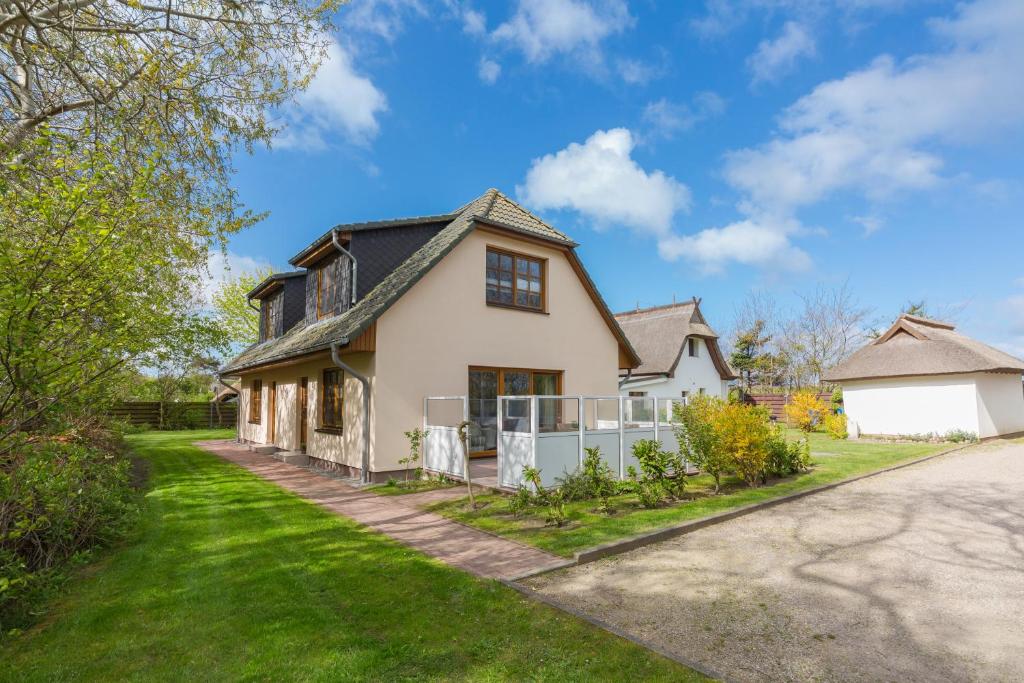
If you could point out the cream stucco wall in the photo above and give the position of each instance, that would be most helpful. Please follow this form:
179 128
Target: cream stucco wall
912 405
429 338
345 448
692 374
1000 404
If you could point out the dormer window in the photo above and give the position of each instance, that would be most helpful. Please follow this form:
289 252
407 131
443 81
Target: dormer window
329 288
693 346
515 280
272 316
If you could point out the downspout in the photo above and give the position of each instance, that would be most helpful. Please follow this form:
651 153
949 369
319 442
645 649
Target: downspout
336 357
629 375
346 252
238 411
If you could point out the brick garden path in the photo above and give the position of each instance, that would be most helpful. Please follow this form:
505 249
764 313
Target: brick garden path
397 516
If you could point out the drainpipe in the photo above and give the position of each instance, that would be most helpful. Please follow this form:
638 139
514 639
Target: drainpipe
629 374
336 357
346 252
238 410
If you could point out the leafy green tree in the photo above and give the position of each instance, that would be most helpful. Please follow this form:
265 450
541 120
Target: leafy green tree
748 348
239 322
694 429
99 272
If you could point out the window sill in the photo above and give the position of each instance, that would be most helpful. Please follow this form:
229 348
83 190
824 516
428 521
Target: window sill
329 430
513 307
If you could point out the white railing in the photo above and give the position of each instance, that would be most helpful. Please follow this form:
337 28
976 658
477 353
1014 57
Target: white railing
442 451
550 433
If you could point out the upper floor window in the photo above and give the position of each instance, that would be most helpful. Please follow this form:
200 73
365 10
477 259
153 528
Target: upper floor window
329 288
272 316
693 346
256 401
332 394
515 280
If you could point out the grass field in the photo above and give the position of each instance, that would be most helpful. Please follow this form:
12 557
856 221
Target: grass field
586 527
229 577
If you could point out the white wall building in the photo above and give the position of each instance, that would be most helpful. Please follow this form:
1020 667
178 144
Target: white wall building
678 351
923 377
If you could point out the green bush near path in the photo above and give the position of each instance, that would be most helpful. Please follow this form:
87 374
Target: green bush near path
229 577
586 526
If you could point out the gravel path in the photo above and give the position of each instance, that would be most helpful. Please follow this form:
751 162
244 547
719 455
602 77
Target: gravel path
914 575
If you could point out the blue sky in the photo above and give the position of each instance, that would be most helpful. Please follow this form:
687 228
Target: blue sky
692 148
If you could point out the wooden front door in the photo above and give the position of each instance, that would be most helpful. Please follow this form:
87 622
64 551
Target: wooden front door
486 384
303 411
272 414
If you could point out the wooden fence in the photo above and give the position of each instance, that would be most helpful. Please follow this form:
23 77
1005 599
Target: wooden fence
776 403
176 414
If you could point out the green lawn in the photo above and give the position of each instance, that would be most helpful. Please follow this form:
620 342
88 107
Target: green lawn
586 527
229 577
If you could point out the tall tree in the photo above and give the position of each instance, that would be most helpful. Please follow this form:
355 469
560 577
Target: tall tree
828 327
239 322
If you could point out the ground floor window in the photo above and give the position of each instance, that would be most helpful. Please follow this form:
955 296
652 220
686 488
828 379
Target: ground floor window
487 383
332 395
256 401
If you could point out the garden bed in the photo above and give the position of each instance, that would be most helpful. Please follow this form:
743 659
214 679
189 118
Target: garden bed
587 526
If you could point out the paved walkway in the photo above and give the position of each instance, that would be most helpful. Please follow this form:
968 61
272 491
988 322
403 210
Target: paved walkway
397 516
915 575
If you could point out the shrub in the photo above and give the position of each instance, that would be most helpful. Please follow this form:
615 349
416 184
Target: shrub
744 432
835 425
520 501
698 442
960 436
837 397
58 499
805 410
659 467
785 457
416 438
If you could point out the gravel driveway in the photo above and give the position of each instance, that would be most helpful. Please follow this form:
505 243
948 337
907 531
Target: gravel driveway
914 575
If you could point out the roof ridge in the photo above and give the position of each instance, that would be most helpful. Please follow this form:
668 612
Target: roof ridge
927 322
660 307
501 195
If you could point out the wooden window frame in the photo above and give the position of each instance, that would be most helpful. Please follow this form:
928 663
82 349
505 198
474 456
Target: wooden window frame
692 347
256 402
320 290
338 428
501 370
543 262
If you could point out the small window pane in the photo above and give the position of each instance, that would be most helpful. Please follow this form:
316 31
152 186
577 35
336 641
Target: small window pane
535 268
506 262
521 298
522 265
534 301
492 259
505 296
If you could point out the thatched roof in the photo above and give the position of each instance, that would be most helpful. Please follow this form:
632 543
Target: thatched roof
659 335
492 209
916 346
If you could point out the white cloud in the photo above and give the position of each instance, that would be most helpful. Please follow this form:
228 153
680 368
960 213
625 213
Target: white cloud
600 180
665 118
474 22
760 242
220 268
338 100
488 71
880 130
871 224
775 58
637 72
540 29
381 18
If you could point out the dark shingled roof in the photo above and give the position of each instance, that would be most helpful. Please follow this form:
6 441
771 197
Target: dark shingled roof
369 225
492 208
275 277
916 346
659 335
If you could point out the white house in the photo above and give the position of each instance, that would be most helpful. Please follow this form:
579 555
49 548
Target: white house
679 353
922 377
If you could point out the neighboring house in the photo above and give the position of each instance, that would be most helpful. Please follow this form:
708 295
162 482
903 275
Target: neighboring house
484 301
679 352
923 377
